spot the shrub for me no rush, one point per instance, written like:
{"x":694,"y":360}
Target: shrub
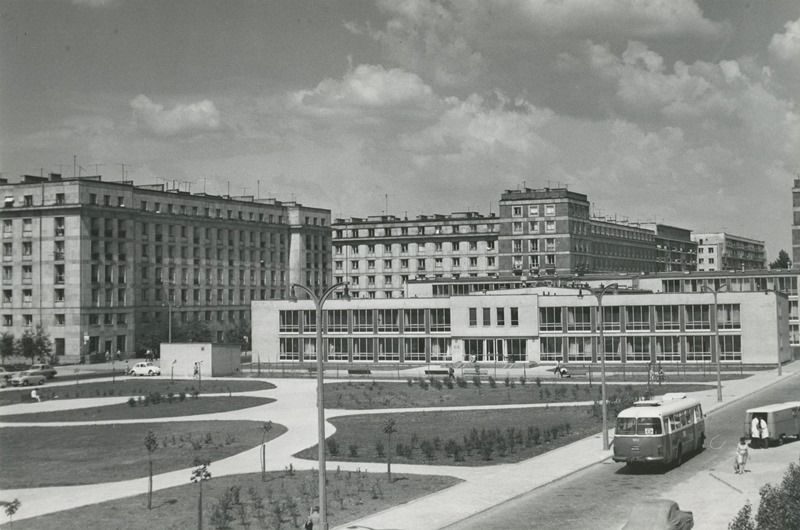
{"x":538,"y":381}
{"x":448,"y":383}
{"x":182,"y":396}
{"x":492,"y":382}
{"x":423,"y":384}
{"x":436,"y":383}
{"x":379,"y":449}
{"x":427,"y":449}
{"x":507,"y":381}
{"x":476,"y":380}
{"x":461,"y":382}
{"x":333,"y":446}
{"x":522,"y":380}
{"x":170,"y":397}
{"x":132,"y":402}
{"x":410,"y":382}
{"x":353,"y":449}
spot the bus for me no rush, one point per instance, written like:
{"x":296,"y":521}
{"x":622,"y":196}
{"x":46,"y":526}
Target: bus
{"x":659,"y":431}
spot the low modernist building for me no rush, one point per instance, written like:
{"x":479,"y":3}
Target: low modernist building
{"x":541,"y":324}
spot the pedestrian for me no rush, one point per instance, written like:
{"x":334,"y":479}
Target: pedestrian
{"x":35,"y":396}
{"x":755,"y":433}
{"x":741,"y":456}
{"x":312,"y":523}
{"x":764,"y":430}
{"x":557,"y":369}
{"x":108,"y":356}
{"x":451,"y":373}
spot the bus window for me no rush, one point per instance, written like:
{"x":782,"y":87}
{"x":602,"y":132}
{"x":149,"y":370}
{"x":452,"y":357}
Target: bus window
{"x":674,"y":422}
{"x":625,"y":426}
{"x":648,"y":426}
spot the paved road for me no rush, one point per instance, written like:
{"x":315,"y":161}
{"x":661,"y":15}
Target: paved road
{"x":600,"y":496}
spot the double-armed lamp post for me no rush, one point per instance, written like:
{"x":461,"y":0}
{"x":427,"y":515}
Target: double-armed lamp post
{"x":319,"y":302}
{"x":717,"y":346}
{"x":599,"y":293}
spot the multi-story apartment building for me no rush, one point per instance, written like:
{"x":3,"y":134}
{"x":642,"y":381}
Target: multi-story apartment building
{"x":551,"y":231}
{"x":796,"y":224}
{"x":718,"y":251}
{"x":377,"y":256}
{"x":95,"y":263}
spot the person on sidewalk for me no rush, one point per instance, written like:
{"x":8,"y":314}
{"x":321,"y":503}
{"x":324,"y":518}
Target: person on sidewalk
{"x":764,"y":430}
{"x":35,"y":396}
{"x":741,"y":456}
{"x":755,"y":433}
{"x":312,"y":523}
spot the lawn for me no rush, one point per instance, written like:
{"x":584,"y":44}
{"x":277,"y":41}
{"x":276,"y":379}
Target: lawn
{"x":284,"y":499}
{"x":164,"y":409}
{"x":363,"y":395}
{"x":62,"y":456}
{"x":471,"y":438}
{"x":133,"y":387}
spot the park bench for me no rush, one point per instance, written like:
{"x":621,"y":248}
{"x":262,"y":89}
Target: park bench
{"x":358,"y":371}
{"x":437,"y":371}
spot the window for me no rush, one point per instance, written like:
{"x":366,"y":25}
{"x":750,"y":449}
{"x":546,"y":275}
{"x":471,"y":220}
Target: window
{"x":414,"y":349}
{"x":363,"y":321}
{"x":388,"y":349}
{"x":289,"y":321}
{"x":612,"y":348}
{"x":533,"y":210}
{"x":611,"y":318}
{"x":59,"y":319}
{"x":730,"y":348}
{"x":27,"y":226}
{"x":637,"y":318}
{"x":668,"y":349}
{"x":638,"y":349}
{"x":698,"y":317}
{"x":579,"y":319}
{"x":7,"y":296}
{"x":337,"y":321}
{"x":516,"y":227}
{"x":289,"y":348}
{"x":698,"y":348}
{"x":514,"y":316}
{"x":440,"y":349}
{"x":667,"y":318}
{"x":58,"y":295}
{"x":388,"y":321}
{"x":550,"y":319}
{"x":440,"y":320}
{"x":27,"y":296}
{"x":473,"y":317}
{"x":500,"y":316}
{"x":487,"y":316}
{"x":533,"y":227}
{"x":516,"y":211}
{"x":728,"y":316}
{"x":549,"y":210}
{"x":550,"y":349}
{"x":363,"y":349}
{"x":550,"y":226}
{"x":337,"y":349}
{"x":414,"y":320}
{"x":579,"y":349}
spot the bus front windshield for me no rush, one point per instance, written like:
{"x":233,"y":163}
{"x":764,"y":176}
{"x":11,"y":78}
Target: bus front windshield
{"x":638,"y":426}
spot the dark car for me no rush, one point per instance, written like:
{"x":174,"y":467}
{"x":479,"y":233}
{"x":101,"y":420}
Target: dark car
{"x":43,"y":369}
{"x":659,"y":514}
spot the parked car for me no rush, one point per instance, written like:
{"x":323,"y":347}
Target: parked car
{"x":659,"y":514}
{"x":5,"y":375}
{"x":43,"y":369}
{"x":28,"y":378}
{"x":145,"y":368}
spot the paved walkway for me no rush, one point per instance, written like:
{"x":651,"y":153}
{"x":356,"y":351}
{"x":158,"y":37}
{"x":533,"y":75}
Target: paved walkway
{"x":295,"y":408}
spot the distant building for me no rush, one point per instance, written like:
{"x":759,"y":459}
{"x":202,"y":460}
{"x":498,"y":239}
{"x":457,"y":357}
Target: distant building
{"x":675,"y":250}
{"x":796,"y":224}
{"x":97,"y":263}
{"x":718,"y":251}
{"x":377,"y":256}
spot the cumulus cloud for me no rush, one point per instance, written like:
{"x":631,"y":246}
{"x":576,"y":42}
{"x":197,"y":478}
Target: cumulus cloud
{"x":786,"y":46}
{"x":366,"y":88}
{"x":183,"y":118}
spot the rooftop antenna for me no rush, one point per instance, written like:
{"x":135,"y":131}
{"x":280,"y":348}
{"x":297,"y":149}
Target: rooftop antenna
{"x":258,"y":189}
{"x":74,"y":166}
{"x":386,"y":198}
{"x":97,"y":168}
{"x":123,"y":170}
{"x":229,"y":189}
{"x":204,"y":185}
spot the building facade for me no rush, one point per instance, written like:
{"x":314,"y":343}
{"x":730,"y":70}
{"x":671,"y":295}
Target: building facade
{"x":541,"y":324}
{"x":96,"y":263}
{"x":377,"y":256}
{"x":719,"y":251}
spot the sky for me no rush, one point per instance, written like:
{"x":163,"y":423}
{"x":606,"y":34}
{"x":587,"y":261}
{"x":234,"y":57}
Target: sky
{"x":677,"y":111}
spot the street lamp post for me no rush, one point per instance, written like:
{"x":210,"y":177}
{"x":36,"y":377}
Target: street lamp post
{"x":598,"y":293}
{"x":172,"y":371}
{"x":717,"y":348}
{"x":319,"y":302}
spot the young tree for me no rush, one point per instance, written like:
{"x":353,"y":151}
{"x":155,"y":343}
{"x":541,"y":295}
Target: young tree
{"x":783,"y":261}
{"x":151,"y":444}
{"x":6,"y":346}
{"x":42,"y":344}
{"x":389,"y":428}
{"x":10,"y":509}
{"x":199,"y":475}
{"x":265,"y":428}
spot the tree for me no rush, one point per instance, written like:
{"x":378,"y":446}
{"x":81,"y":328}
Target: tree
{"x":191,"y":331}
{"x":6,"y":346}
{"x":265,"y":428}
{"x":389,"y":428}
{"x":11,"y":508}
{"x":783,"y":261}
{"x":239,"y":334}
{"x":779,"y":506}
{"x":199,"y":475}
{"x":151,"y":444}
{"x":34,"y":344}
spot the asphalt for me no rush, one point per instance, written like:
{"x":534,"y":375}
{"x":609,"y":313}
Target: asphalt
{"x":715,"y":496}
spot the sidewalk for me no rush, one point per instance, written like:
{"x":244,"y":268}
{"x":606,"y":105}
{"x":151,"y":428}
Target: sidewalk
{"x":508,"y":481}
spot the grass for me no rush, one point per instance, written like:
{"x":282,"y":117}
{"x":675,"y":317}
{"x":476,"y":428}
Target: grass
{"x":164,"y":409}
{"x":63,"y":456}
{"x":362,"y":395}
{"x":470,"y":430}
{"x":286,"y":500}
{"x":133,"y":387}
